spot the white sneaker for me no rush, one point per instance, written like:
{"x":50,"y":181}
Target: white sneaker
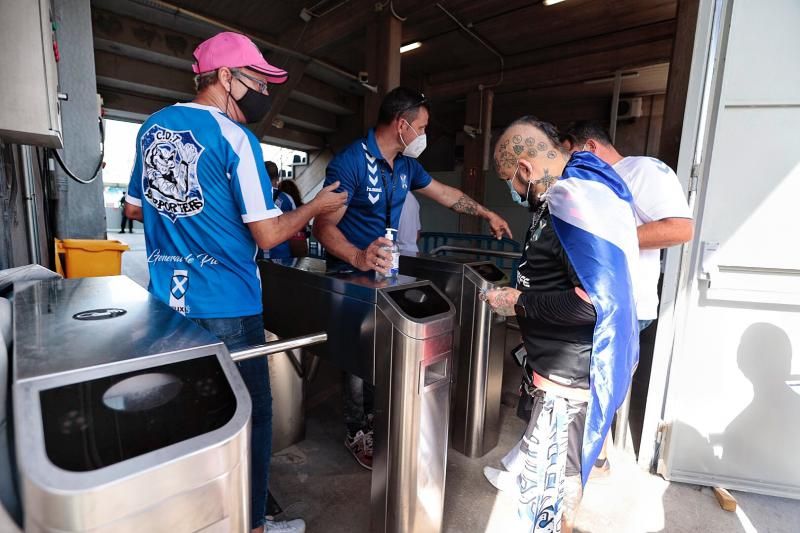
{"x":501,"y":480}
{"x":287,"y":526}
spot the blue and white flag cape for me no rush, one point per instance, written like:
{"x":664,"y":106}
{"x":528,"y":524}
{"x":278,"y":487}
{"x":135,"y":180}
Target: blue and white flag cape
{"x":590,"y":207}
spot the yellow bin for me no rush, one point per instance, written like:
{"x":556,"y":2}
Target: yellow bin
{"x":85,"y":258}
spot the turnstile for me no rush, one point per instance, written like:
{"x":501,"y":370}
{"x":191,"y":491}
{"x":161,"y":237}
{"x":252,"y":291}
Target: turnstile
{"x":396,"y":334}
{"x":479,"y":346}
{"x":128,"y":416}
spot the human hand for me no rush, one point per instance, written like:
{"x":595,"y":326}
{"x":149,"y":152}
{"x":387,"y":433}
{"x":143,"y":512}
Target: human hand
{"x":498,"y":226}
{"x":328,"y":200}
{"x":374,"y":257}
{"x":502,"y":300}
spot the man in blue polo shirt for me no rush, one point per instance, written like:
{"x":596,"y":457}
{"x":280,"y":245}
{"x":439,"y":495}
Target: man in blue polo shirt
{"x":201,"y":190}
{"x":377,"y":172}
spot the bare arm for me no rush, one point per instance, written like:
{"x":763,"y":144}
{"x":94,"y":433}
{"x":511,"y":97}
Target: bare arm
{"x":330,"y":236}
{"x":273,"y":231}
{"x":665,"y":233}
{"x":461,"y":203}
{"x":134,"y":212}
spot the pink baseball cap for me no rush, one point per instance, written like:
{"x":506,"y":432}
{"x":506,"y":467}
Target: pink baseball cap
{"x":229,"y":49}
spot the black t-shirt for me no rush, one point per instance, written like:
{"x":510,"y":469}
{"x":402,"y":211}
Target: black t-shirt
{"x":556,"y":351}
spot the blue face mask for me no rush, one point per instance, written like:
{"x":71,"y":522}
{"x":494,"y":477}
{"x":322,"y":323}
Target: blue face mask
{"x":515,"y":196}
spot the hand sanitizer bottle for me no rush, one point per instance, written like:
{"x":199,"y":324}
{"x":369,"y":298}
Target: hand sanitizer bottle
{"x":394,"y":270}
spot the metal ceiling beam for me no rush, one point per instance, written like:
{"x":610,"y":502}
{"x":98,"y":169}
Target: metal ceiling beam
{"x":134,"y":75}
{"x":142,"y":40}
{"x":562,"y":71}
{"x":170,"y":15}
{"x":346,"y":22}
{"x":607,"y":42}
{"x":281,"y":95}
{"x":121,"y":105}
{"x":296,"y":139}
{"x":313,"y":92}
{"x":308,"y":118}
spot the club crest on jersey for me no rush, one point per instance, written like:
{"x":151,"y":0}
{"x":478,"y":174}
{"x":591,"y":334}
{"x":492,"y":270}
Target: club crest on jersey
{"x":170,"y":182}
{"x":404,"y":181}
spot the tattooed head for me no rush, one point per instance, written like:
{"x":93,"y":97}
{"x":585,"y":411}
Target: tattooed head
{"x":526,"y":138}
{"x":529,"y":157}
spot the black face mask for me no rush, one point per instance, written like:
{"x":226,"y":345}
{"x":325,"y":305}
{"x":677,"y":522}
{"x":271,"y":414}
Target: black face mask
{"x":254,"y":105}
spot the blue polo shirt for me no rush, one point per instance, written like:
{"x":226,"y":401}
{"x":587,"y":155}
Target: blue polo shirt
{"x":285,"y":203}
{"x":370,"y":184}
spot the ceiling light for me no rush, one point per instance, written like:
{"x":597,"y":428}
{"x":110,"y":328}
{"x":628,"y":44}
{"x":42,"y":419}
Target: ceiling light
{"x":552,"y":2}
{"x":410,"y":46}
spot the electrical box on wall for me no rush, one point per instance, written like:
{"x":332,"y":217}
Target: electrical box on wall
{"x":29,"y":107}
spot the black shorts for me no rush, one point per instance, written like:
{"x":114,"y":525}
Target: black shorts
{"x":575,"y":429}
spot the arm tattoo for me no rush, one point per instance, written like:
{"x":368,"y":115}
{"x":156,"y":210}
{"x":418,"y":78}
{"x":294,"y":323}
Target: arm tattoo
{"x":505,"y":301}
{"x":466,"y":206}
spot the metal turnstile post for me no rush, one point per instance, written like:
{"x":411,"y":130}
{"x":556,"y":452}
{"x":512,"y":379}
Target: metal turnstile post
{"x":479,"y":347}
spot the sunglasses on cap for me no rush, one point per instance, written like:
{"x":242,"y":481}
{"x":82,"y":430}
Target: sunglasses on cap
{"x":422,"y":101}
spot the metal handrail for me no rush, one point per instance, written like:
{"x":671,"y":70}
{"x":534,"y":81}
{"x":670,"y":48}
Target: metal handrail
{"x":278,"y":346}
{"x":476,"y":251}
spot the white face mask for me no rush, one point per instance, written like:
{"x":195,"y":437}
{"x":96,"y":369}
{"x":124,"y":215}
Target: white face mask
{"x":417,"y":146}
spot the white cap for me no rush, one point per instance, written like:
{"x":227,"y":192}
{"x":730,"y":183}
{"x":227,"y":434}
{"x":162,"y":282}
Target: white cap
{"x":389,"y":234}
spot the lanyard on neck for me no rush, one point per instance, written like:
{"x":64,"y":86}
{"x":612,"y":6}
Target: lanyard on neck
{"x":388,"y":196}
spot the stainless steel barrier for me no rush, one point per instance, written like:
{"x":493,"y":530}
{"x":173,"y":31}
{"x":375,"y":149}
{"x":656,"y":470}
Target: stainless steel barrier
{"x":479,"y":346}
{"x":474,"y":251}
{"x":128,"y":416}
{"x":396,"y":334}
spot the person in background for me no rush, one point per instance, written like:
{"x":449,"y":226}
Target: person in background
{"x":125,"y":219}
{"x":290,"y":188}
{"x":662,"y":213}
{"x":408,"y":230}
{"x":299,"y":241}
{"x":378,"y":171}
{"x":285,"y":203}
{"x":200,"y":187}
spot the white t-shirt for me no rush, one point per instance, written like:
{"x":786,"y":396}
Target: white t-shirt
{"x":409,"y":226}
{"x":657,"y":194}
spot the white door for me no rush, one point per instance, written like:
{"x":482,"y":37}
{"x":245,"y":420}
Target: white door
{"x":726,"y":383}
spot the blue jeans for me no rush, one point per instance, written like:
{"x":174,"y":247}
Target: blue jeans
{"x":238,"y":333}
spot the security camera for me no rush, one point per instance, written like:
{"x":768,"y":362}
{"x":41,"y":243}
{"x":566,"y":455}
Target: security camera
{"x":471,"y":131}
{"x":363,"y":77}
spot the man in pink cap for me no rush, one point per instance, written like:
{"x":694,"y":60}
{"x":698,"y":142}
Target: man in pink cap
{"x":200,"y":186}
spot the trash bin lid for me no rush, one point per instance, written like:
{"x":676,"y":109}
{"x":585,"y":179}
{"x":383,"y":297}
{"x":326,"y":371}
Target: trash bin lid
{"x":95,"y":245}
{"x":93,"y":424}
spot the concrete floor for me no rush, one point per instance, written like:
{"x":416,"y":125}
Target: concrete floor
{"x":318,"y":480}
{"x":134,"y":261}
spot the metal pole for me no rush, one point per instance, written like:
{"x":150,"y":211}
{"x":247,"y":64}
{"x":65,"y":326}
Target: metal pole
{"x":477,"y":251}
{"x":621,"y":430}
{"x":278,"y":346}
{"x":29,"y":189}
{"x":612,"y":129}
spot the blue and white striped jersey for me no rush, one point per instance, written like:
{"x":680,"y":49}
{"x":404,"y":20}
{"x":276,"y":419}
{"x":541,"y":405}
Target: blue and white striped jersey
{"x":200,"y":178}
